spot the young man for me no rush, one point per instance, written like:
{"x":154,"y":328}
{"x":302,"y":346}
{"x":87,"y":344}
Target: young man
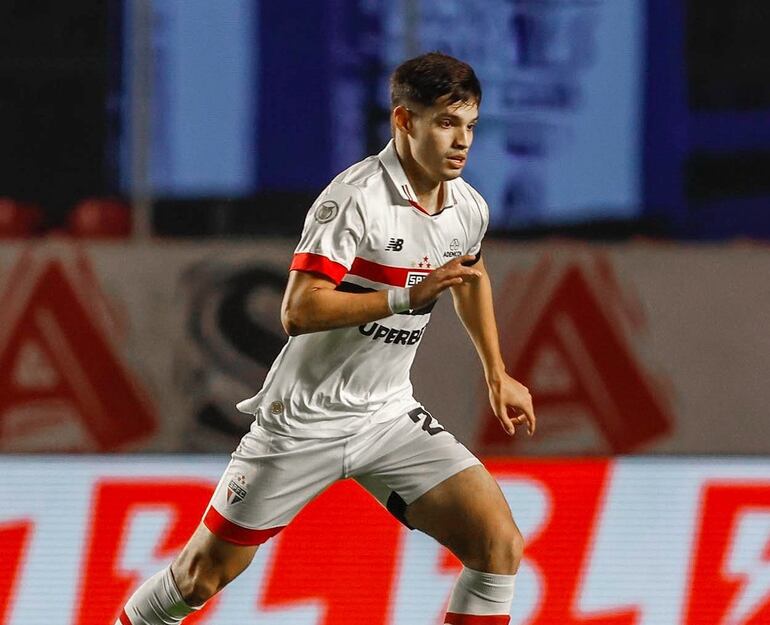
{"x":337,"y":402}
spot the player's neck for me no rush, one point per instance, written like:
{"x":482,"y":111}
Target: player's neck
{"x":431,"y":199}
{"x":429,"y":192}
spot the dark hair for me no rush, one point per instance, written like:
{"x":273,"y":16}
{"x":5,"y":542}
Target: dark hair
{"x":426,"y":78}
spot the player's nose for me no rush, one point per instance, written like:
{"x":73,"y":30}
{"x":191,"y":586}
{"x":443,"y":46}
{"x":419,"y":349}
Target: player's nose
{"x":463,"y":139}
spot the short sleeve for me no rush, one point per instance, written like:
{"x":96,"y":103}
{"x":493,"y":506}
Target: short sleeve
{"x":481,"y":224}
{"x":333,"y":228}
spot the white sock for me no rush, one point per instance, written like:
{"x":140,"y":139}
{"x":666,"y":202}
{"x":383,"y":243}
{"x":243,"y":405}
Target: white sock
{"x":156,"y":602}
{"x":481,"y":594}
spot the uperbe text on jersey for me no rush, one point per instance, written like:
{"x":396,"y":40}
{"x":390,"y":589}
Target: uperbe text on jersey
{"x":391,"y":335}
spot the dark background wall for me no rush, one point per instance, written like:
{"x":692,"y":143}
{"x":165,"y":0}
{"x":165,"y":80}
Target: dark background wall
{"x":57,"y":69}
{"x":63,"y":88}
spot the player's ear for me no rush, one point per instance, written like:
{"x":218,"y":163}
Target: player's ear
{"x":401,"y":118}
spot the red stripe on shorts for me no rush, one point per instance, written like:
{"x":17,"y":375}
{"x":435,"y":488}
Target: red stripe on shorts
{"x":394,"y":276}
{"x":236,"y":534}
{"x":452,"y":618}
{"x":316,"y":263}
{"x":124,"y":618}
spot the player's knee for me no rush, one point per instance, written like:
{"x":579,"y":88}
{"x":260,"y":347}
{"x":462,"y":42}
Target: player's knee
{"x":198,"y":590}
{"x":499,"y":551}
{"x":198,"y":579}
{"x":516,"y":547}
{"x":507,"y":550}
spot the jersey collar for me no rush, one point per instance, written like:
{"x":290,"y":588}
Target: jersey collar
{"x":392,"y":165}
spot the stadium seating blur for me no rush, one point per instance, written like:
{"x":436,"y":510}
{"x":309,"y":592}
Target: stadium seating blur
{"x":100,"y":218}
{"x":19,"y":219}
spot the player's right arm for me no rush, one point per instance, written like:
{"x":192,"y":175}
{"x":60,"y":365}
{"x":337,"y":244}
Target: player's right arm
{"x":333,"y":232}
{"x":311,"y":303}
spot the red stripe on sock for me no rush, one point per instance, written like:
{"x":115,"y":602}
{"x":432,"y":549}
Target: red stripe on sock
{"x":123,"y":618}
{"x":452,"y":618}
{"x":236,"y":534}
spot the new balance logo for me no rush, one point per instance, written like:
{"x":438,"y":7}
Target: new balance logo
{"x":394,"y":245}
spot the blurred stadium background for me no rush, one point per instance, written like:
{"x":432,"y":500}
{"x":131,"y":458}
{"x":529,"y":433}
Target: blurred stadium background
{"x":156,"y":160}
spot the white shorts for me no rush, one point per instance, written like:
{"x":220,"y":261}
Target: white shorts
{"x":272,"y":476}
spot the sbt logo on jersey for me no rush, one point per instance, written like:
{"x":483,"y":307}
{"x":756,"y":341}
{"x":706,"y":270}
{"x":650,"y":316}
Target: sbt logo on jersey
{"x":415,"y":277}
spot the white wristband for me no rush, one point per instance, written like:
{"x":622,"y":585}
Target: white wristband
{"x":398,"y":300}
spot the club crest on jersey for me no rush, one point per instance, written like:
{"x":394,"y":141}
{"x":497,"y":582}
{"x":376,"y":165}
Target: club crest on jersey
{"x":326,"y":211}
{"x":236,"y":489}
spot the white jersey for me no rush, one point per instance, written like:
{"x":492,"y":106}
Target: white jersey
{"x":365,"y":232}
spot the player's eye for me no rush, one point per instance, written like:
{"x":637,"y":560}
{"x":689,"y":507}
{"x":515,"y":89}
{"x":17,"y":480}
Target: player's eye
{"x":445,"y":123}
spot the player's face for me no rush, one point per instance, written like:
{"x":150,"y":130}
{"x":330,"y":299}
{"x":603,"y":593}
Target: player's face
{"x":441,"y":136}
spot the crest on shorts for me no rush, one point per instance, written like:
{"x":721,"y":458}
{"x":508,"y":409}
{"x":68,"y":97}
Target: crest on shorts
{"x":236,"y":489}
{"x":326,"y":211}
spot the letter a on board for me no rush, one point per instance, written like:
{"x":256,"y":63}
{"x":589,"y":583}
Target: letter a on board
{"x":568,"y":341}
{"x":62,"y":383}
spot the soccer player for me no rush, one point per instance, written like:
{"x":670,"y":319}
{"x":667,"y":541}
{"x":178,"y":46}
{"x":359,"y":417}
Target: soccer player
{"x":379,"y":246}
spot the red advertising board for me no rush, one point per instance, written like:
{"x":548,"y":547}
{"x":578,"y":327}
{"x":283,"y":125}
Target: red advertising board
{"x":627,"y":542}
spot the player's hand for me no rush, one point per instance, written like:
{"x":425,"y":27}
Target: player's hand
{"x":449,"y":274}
{"x":512,"y":404}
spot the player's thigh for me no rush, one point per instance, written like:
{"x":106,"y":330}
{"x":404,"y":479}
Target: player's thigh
{"x":408,"y":456}
{"x":399,"y":461}
{"x":463,"y":511}
{"x":269,"y":479}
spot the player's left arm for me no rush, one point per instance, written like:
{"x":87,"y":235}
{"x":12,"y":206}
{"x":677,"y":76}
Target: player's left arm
{"x":510,"y":400}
